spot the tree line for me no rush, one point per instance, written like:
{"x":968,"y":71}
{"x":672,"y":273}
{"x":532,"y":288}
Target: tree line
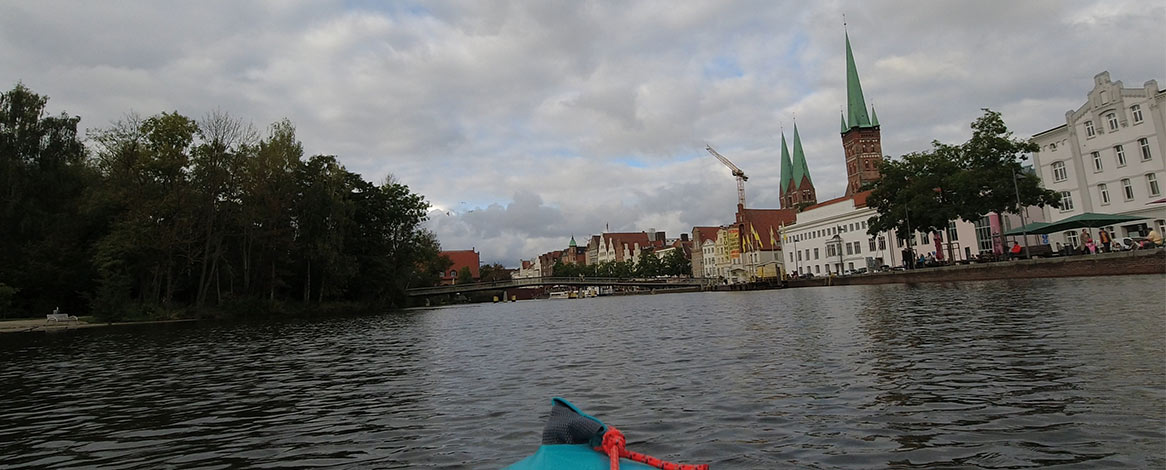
{"x":167,"y":215}
{"x":646,"y":265}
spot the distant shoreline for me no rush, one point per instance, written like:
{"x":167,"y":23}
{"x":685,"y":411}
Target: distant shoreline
{"x":29,"y":325}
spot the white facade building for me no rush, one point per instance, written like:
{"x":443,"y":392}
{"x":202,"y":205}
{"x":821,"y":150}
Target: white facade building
{"x":1109,"y":157}
{"x":831,"y":238}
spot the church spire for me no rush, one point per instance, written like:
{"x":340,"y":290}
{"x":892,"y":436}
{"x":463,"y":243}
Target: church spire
{"x":856,"y":105}
{"x":844,"y":126}
{"x":874,"y":117}
{"x":787,"y":176}
{"x":801,"y":171}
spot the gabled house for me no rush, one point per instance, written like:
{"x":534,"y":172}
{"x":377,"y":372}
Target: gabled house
{"x":461,"y":259}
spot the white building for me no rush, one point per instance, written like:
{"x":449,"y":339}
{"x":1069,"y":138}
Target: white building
{"x":1109,"y":157}
{"x":831,"y":238}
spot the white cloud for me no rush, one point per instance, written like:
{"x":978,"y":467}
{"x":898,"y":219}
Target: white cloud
{"x":555,"y":118}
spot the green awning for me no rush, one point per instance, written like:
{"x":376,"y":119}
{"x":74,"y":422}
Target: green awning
{"x":1089,"y":220}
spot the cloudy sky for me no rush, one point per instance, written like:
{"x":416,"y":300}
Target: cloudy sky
{"x":524,"y":123}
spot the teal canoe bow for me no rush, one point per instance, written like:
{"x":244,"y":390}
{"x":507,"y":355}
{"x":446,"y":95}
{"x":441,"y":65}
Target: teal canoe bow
{"x":570,"y":441}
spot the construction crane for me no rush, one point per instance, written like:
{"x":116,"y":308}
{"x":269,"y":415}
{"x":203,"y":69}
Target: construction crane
{"x":741,"y":178}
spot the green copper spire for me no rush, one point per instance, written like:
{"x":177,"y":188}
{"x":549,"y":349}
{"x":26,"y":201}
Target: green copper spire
{"x":844,"y":126}
{"x":572,"y":244}
{"x":874,"y":118}
{"x":856,"y":105}
{"x":787,"y":168}
{"x":799,"y":163}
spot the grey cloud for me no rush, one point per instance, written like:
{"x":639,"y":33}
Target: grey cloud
{"x":533,"y":109}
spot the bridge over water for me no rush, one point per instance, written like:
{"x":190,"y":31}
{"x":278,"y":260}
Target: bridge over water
{"x":665,"y":283}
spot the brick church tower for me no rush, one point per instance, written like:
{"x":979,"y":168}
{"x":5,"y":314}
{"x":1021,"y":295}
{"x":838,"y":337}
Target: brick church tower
{"x":861,"y":139}
{"x":796,"y":186}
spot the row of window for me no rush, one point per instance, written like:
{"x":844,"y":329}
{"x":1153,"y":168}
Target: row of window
{"x":1127,"y":189}
{"x":817,"y":268}
{"x":1060,"y":173}
{"x":830,"y":231}
{"x":1111,"y":120}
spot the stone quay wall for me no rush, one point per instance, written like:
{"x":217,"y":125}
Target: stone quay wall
{"x":1126,"y":262}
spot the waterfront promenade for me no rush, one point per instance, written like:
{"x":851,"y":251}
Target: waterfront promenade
{"x":1103,"y":264}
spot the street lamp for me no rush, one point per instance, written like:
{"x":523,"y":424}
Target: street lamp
{"x":837,"y":241}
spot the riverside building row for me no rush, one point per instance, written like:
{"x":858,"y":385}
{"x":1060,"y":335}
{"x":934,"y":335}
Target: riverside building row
{"x":1108,"y":158}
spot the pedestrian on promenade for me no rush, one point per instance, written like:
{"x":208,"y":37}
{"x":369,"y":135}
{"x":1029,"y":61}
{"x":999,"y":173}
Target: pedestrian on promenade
{"x":1087,"y":241}
{"x":1154,"y":237}
{"x":1105,"y":239}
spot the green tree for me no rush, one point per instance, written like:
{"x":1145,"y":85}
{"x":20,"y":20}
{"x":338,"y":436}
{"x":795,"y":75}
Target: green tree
{"x":269,"y":193}
{"x":217,"y":178}
{"x":323,"y":216}
{"x":429,"y":263}
{"x":44,"y":233}
{"x":147,"y":194}
{"x":648,"y":264}
{"x":6,"y":294}
{"x":676,"y":264}
{"x":927,"y":190}
{"x":912,"y":196}
{"x":493,"y":272}
{"x":992,"y":177}
{"x":464,"y":276}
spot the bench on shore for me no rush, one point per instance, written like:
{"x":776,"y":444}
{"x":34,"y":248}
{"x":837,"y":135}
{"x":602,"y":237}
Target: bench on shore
{"x":61,"y":317}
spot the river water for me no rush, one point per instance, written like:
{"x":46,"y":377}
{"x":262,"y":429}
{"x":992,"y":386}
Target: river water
{"x":1067,"y":373}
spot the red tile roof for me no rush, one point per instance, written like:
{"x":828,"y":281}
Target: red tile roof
{"x":859,"y":200}
{"x":761,"y":221}
{"x":700,"y":234}
{"x":462,"y":258}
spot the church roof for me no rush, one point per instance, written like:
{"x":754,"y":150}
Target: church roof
{"x":800,"y":169}
{"x":787,"y":175}
{"x":855,"y":103}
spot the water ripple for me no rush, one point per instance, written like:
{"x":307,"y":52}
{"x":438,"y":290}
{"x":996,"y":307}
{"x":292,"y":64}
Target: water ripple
{"x":1006,"y":374}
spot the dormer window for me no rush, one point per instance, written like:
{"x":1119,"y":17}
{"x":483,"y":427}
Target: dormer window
{"x":1137,"y":112}
{"x":1089,"y":130}
{"x":1112,"y":118}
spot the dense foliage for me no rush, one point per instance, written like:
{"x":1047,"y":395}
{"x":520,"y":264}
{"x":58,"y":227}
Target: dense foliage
{"x":166,"y":214}
{"x":647,"y":265}
{"x":924,"y":191}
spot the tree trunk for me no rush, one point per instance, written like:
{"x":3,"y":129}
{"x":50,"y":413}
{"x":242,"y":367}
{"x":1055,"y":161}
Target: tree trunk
{"x":203,"y":279}
{"x":271,"y":296}
{"x":246,"y":264}
{"x":308,"y":283}
{"x":320,"y":295}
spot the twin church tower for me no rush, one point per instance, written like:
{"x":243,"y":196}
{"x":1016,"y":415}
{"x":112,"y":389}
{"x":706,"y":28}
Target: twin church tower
{"x":861,"y":142}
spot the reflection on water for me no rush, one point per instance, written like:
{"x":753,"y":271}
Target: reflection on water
{"x":1006,"y":374}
